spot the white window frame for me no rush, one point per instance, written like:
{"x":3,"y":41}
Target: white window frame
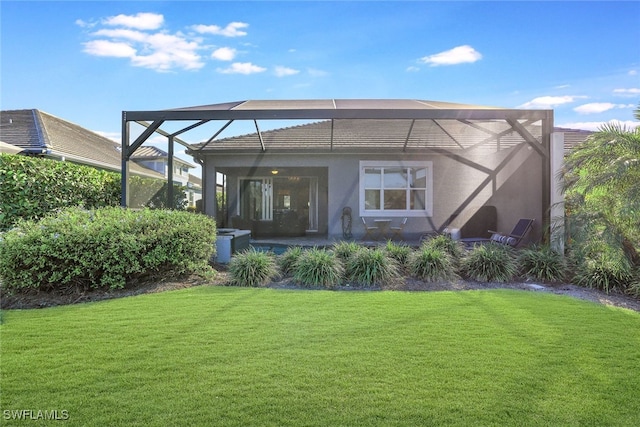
{"x":428,"y":211}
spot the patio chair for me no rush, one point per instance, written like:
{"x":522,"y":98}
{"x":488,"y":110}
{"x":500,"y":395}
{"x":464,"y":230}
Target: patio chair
{"x":523,"y":226}
{"x":368,"y":230}
{"x":396,"y":231}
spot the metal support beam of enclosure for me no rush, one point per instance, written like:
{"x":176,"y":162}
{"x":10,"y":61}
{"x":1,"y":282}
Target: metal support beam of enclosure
{"x":335,"y":110}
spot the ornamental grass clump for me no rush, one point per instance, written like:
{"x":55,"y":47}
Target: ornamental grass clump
{"x":345,"y":250}
{"x":490,"y":262}
{"x":453,"y":247}
{"x":608,"y":270}
{"x":318,"y":267}
{"x":431,"y":265}
{"x":541,"y":263}
{"x":370,"y":267}
{"x":252,"y":268}
{"x":399,"y":252}
{"x":288,"y":259}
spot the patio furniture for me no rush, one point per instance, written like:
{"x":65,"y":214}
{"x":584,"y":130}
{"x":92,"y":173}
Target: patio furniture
{"x":522,"y":227}
{"x":396,"y":231}
{"x":383,"y":226}
{"x":368,"y":230}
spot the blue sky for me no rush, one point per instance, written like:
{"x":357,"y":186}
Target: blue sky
{"x":86,"y":62}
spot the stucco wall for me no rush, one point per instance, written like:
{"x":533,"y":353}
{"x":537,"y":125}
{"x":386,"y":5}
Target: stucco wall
{"x":516,"y":190}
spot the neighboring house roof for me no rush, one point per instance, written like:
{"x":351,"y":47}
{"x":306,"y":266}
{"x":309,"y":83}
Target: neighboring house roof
{"x":8,"y":148}
{"x":195,"y":182}
{"x":151,"y":153}
{"x":573,"y":137}
{"x":40,"y":133}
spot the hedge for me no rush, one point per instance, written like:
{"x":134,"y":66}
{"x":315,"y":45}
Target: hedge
{"x":31,"y":187}
{"x":104,"y":248}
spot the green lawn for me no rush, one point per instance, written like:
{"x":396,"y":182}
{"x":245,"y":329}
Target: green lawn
{"x":264,"y":357}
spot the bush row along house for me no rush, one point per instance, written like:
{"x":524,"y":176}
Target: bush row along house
{"x":37,"y":133}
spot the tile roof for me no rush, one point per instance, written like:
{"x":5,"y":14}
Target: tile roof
{"x":392,"y":135}
{"x":151,"y":152}
{"x":37,"y":132}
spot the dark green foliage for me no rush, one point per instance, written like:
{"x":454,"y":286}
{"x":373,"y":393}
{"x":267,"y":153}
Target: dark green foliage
{"x":288,"y":259}
{"x":372,"y":267}
{"x":490,"y":262}
{"x":602,"y":191}
{"x":399,"y":252}
{"x":345,"y":249}
{"x":606,"y":270}
{"x":252,"y":268}
{"x":541,"y":263}
{"x":152,"y":193}
{"x":104,"y":248}
{"x":32,"y":187}
{"x":454,"y":248}
{"x":318,"y":267}
{"x":431,"y":264}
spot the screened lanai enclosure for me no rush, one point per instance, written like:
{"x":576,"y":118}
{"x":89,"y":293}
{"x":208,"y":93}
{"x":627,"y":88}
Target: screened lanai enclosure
{"x":293,"y":168}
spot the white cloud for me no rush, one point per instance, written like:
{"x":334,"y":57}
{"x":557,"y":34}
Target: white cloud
{"x":546,"y":102}
{"x":599,"y":107}
{"x":122,"y":33}
{"x":457,"y":55}
{"x":224,"y":54}
{"x":594,"y":126}
{"x":158,"y":51}
{"x":140,"y":21}
{"x":634,"y":91}
{"x":242,"y":68}
{"x":314,"y":72}
{"x":281,"y":71}
{"x":114,"y":136}
{"x":633,"y":72}
{"x":233,"y":29}
{"x":109,"y":48}
{"x":413,"y":69}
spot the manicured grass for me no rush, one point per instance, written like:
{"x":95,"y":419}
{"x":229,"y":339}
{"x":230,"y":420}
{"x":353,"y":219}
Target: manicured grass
{"x":247,"y":356}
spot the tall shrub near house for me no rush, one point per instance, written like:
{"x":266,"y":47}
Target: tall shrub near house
{"x":31,"y":187}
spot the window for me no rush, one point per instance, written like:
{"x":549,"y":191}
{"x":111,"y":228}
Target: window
{"x":395,"y":188}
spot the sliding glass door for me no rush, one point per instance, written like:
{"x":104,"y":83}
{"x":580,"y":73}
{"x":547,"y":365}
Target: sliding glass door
{"x":290,"y":202}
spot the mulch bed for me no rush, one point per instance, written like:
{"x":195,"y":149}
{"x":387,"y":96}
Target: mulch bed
{"x":74,"y":296}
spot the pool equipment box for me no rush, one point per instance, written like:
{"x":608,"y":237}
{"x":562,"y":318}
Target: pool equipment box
{"x":230,"y":241}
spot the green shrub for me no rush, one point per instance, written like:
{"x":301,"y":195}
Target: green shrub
{"x":543,"y":264}
{"x":252,"y":268}
{"x":345,"y":249}
{"x":607,"y":271}
{"x":288,"y":259}
{"x":318,"y":267}
{"x":453,"y":247}
{"x":104,"y":248}
{"x":431,"y":264}
{"x":372,"y":267}
{"x":32,"y":187}
{"x":490,"y":262}
{"x":399,"y":252}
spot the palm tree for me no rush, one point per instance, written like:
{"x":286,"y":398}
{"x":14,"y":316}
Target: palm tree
{"x":602,"y":188}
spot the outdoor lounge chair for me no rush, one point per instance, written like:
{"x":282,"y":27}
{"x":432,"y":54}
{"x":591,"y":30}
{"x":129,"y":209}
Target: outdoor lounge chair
{"x":523,"y":226}
{"x":368,"y":229}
